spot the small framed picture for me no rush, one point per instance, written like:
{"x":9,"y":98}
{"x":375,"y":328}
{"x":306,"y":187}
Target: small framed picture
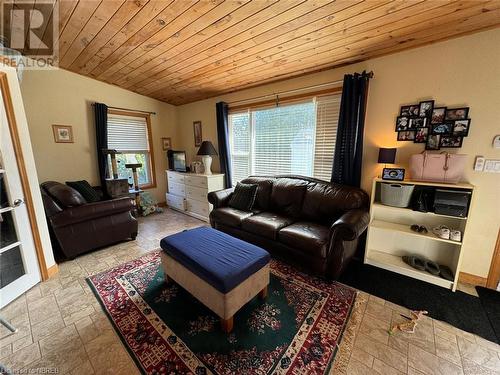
{"x":425,"y":108}
{"x":418,"y":122}
{"x":438,"y":115}
{"x":395,"y":174}
{"x":63,"y":133}
{"x":414,"y":110}
{"x":197,"y":133}
{"x":451,"y":141}
{"x":421,"y":135}
{"x":405,"y":111}
{"x":402,"y":123}
{"x":442,"y":129}
{"x":461,"y":127}
{"x":457,"y":113}
{"x":433,"y":142}
{"x":166,"y":143}
{"x":407,"y":135}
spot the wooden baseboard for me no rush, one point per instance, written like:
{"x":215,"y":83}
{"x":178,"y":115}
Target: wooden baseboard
{"x":52,"y":271}
{"x":162,"y":204}
{"x":467,"y":278}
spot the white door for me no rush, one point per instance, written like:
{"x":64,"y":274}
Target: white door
{"x":18,"y":263}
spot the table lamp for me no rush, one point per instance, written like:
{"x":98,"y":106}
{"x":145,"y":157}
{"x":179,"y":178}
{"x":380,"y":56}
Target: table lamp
{"x":206,"y":151}
{"x":386,"y":156}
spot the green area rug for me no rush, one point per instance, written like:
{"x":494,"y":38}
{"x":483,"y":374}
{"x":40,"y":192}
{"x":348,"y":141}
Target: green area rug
{"x":296,"y":329}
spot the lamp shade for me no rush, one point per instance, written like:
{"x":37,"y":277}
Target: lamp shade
{"x":387,"y":155}
{"x":207,"y":148}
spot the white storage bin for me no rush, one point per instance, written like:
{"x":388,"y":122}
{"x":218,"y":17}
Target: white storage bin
{"x":396,"y":195}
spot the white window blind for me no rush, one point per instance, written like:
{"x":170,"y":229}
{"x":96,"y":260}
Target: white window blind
{"x":296,"y":138}
{"x":327,"y":117}
{"x":127,"y":133}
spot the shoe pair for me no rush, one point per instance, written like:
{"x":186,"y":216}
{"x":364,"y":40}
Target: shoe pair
{"x":446,"y":233}
{"x":418,"y":228}
{"x":433,"y":268}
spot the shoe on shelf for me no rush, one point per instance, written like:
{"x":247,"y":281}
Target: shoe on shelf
{"x":456,"y":235}
{"x":418,"y":228}
{"x":442,"y":231}
{"x":415,"y":262}
{"x":446,"y":273}
{"x":432,"y":267}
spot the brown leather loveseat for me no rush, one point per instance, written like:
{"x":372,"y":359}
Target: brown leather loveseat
{"x":77,"y":227}
{"x":302,"y":220}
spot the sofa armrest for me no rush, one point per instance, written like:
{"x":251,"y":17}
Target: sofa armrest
{"x":220,"y":198}
{"x":91,"y":211}
{"x":350,"y":225}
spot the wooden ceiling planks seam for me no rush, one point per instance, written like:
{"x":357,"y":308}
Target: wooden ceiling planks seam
{"x":185,"y":50}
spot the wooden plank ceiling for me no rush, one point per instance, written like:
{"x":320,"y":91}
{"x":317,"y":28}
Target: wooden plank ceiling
{"x":180,"y":51}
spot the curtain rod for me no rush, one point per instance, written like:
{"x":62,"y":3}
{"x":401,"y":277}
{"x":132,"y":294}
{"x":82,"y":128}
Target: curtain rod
{"x":370,"y":75}
{"x":128,"y":109}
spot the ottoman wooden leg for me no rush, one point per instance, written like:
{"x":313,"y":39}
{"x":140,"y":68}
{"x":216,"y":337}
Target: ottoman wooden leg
{"x":263,"y":293}
{"x":227,"y":324}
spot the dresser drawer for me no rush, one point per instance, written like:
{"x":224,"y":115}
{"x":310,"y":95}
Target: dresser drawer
{"x":196,"y":181}
{"x":175,"y":201}
{"x":177,"y":189}
{"x":196,"y":193}
{"x":175,"y":177}
{"x":197,"y":207}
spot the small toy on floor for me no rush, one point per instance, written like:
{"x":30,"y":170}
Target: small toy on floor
{"x":410,"y":325}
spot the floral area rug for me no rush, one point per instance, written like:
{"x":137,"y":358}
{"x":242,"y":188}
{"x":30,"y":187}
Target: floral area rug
{"x":295,"y":330}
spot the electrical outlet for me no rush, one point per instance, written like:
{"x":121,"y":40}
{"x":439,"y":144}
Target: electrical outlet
{"x":479,"y":164}
{"x":492,"y":166}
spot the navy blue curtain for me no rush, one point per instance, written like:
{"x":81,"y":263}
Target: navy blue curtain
{"x":101,"y":135}
{"x":348,"y":156}
{"x":221,"y":109}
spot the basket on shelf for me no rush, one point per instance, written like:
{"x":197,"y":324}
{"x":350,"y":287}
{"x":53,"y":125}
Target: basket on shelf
{"x":396,"y":195}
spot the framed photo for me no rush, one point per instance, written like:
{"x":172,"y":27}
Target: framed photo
{"x":418,"y":122}
{"x":63,"y":133}
{"x":451,"y":141}
{"x":402,"y":123}
{"x":407,"y":135}
{"x":414,"y":110}
{"x":457,"y":114}
{"x":166,"y":143}
{"x":421,"y":135}
{"x":442,"y":129}
{"x":433,"y":142}
{"x":425,"y":108}
{"x":197,"y":133}
{"x":438,"y":115}
{"x":461,"y":127}
{"x":405,"y":111}
{"x":395,"y":174}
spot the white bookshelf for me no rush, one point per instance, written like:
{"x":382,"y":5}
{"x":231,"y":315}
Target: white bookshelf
{"x":390,"y":237}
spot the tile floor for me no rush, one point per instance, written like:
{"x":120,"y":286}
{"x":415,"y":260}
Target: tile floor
{"x":62,"y":326}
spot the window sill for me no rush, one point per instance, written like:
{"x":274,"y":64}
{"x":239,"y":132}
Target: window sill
{"x":147,"y":186}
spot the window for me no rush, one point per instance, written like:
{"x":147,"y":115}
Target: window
{"x":129,"y":133}
{"x":297,"y":138}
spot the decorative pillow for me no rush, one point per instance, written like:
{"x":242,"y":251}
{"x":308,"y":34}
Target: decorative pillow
{"x":84,"y":188}
{"x":243,"y":197}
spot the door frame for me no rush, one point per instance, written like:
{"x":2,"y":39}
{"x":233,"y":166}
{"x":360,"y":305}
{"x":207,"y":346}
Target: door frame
{"x":16,"y":143}
{"x":494,"y":274}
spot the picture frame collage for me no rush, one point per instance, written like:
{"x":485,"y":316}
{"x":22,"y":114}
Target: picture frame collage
{"x":436,"y":127}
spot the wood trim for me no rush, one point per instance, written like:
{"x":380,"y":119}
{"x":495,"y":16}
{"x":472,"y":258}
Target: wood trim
{"x":147,"y":116}
{"x":16,"y":142}
{"x":286,"y":99}
{"x":468,"y":278}
{"x":53,"y":270}
{"x":494,"y":274}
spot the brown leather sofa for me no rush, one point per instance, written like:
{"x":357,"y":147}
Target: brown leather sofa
{"x":77,"y":227}
{"x":302,"y":220}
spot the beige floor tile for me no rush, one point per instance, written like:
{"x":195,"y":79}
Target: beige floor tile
{"x":22,"y":357}
{"x":47,"y":327}
{"x":63,"y":361}
{"x":85,"y":368}
{"x":379,"y":311}
{"x":479,"y":354}
{"x":63,"y":339}
{"x":22,"y":343}
{"x":448,"y":350}
{"x":384,"y":369}
{"x":383,"y":352}
{"x":15,"y":308}
{"x":375,"y":328}
{"x":5,"y":350}
{"x":429,"y":363}
{"x":22,"y":323}
{"x":362,"y":356}
{"x":356,"y":367}
{"x":472,"y":368}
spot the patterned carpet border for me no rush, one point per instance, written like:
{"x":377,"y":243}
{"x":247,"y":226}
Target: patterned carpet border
{"x":340,"y":355}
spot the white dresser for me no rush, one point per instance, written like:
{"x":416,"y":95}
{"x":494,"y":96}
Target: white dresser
{"x":187,"y":192}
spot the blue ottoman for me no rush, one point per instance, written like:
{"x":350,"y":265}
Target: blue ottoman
{"x":221,"y":271}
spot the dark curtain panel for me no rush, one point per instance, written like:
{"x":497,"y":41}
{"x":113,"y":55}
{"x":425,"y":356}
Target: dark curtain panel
{"x":101,"y":135}
{"x":223,"y":140}
{"x":348,"y":156}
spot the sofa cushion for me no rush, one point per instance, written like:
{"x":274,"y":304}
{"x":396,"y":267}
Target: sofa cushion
{"x":243,"y":197}
{"x":287,"y":195}
{"x":266,"y":224}
{"x":307,"y":236}
{"x":229,"y":216}
{"x":265,"y":185}
{"x":83,"y":187}
{"x":63,"y":194}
